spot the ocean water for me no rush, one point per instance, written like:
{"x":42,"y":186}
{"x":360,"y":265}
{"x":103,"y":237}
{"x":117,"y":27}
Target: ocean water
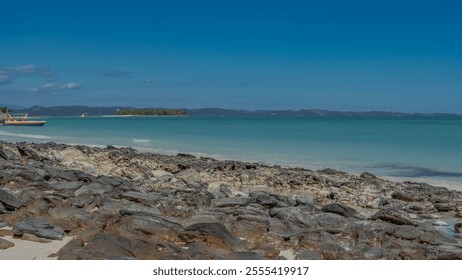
{"x":427,"y":149}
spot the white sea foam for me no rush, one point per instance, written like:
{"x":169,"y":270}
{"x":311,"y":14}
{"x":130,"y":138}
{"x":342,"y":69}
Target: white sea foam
{"x":141,"y":140}
{"x":33,"y":136}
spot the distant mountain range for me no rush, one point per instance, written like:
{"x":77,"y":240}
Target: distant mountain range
{"x":100,"y":111}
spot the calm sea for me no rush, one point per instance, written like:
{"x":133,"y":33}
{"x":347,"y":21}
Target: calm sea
{"x":425,"y":149}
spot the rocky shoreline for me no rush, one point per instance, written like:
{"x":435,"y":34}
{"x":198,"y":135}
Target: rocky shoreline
{"x":118,"y":203}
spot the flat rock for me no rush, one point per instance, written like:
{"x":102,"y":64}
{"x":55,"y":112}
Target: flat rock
{"x":8,"y":155}
{"x":442,"y":207}
{"x":216,"y":230}
{"x":232,"y":201}
{"x":393,"y":216}
{"x":39,"y":227}
{"x":33,"y":238}
{"x":342,"y":210}
{"x":9,"y":199}
{"x":330,"y":220}
{"x":94,"y":189}
{"x":5,"y":244}
{"x":65,"y":186}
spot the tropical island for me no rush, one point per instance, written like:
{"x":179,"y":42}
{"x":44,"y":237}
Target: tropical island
{"x":151,"y":112}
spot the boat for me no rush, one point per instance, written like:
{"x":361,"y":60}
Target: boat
{"x":19,"y":120}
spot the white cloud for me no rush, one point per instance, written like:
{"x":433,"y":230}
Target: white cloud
{"x":8,"y":75}
{"x":50,"y":87}
{"x":71,"y":85}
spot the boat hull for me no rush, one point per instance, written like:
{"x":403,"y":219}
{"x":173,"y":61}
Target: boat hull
{"x":25,"y":123}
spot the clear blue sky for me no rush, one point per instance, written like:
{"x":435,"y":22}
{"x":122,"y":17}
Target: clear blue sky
{"x":339,"y":55}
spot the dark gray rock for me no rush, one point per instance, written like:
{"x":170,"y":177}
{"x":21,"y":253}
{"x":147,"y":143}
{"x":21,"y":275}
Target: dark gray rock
{"x":94,"y":189}
{"x":444,"y":252}
{"x":442,"y":207}
{"x":109,"y":246}
{"x":2,"y":209}
{"x":298,"y":215}
{"x":2,"y":224}
{"x":218,"y":231}
{"x":39,"y":227}
{"x":9,"y":199}
{"x":232,"y":201}
{"x":393,"y":216}
{"x":368,"y":176}
{"x":330,"y":220}
{"x":407,"y":232}
{"x":8,"y":155}
{"x":28,"y":151}
{"x":113,"y":181}
{"x":403,"y":196}
{"x":270,"y":200}
{"x":65,"y":186}
{"x":458,"y":228}
{"x":143,"y":198}
{"x":342,"y":210}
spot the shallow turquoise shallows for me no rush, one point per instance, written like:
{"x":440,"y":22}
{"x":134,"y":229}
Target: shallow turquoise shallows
{"x":413,"y":147}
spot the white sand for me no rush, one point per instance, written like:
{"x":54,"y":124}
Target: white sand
{"x":29,"y":250}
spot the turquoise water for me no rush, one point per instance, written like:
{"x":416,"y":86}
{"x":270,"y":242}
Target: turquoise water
{"x":413,"y":147}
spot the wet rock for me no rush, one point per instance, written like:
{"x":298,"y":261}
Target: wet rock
{"x":5,"y":244}
{"x":393,"y":216}
{"x":342,"y":210}
{"x":39,"y":227}
{"x":9,"y":199}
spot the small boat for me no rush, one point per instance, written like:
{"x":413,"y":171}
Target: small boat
{"x":20,"y":120}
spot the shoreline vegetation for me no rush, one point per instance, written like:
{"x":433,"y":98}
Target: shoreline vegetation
{"x":119,"y":203}
{"x":78,"y":110}
{"x":151,"y":112}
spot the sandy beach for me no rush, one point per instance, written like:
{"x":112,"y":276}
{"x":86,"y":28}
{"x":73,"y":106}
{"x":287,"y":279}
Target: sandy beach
{"x":80,"y":202}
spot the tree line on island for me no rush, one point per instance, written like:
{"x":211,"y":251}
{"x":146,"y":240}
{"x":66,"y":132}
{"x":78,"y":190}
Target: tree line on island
{"x":151,"y":112}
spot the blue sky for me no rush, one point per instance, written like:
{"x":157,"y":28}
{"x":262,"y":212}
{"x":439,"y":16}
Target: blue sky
{"x":338,"y":55}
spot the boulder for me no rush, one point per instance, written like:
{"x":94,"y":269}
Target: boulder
{"x":3,"y":209}
{"x":342,"y":210}
{"x":8,"y":155}
{"x":5,"y":244}
{"x":393,"y":216}
{"x":215,"y":233}
{"x":39,"y":227}
{"x":65,"y":186}
{"x":94,"y":189}
{"x":28,"y":151}
{"x":232,"y":201}
{"x":458,"y":228}
{"x":9,"y":199}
